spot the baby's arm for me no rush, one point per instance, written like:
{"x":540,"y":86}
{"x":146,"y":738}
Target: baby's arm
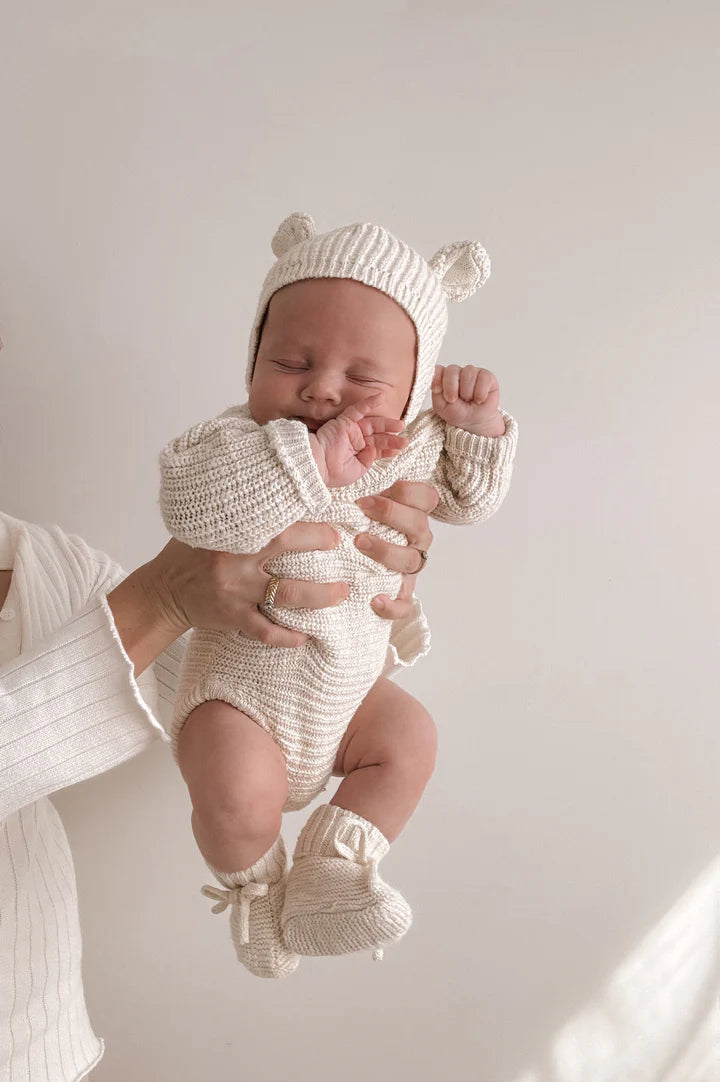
{"x":232,"y":485}
{"x":475,"y":466}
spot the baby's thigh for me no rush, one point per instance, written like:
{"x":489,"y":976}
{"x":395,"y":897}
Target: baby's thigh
{"x":389,"y":725}
{"x":227,"y":759}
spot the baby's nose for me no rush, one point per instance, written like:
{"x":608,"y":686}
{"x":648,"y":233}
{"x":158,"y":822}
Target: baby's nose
{"x":323,"y":387}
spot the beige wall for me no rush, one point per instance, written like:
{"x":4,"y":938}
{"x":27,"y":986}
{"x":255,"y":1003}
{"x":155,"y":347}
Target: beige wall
{"x":562,"y":866}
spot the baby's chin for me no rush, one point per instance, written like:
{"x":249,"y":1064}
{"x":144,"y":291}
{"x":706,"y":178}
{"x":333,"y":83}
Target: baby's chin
{"x":263,"y":419}
{"x":311,"y":423}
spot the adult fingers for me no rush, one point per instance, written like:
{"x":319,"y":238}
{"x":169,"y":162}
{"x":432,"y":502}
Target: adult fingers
{"x":402,"y":558}
{"x":396,"y":608}
{"x":300,"y":594}
{"x":406,"y":520}
{"x":417,"y":494}
{"x":259,"y":627}
{"x":301,"y":537}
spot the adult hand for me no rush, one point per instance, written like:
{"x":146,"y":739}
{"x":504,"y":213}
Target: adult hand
{"x":218,"y":590}
{"x":405,"y":506}
{"x":185,"y":587}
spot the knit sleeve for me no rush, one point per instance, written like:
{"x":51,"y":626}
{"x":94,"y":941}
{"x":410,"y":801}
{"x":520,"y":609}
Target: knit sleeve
{"x":232,"y":485}
{"x":473,"y":473}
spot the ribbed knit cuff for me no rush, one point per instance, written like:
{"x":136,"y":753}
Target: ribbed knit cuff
{"x":291,"y":442}
{"x":329,"y":824}
{"x":166,"y":670}
{"x":268,"y":869}
{"x":73,"y":707}
{"x":144,"y":688}
{"x":497,"y":450}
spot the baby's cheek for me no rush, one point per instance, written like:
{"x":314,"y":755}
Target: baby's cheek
{"x":359,"y":392}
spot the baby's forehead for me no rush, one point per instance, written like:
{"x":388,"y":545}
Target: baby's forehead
{"x":337,"y":302}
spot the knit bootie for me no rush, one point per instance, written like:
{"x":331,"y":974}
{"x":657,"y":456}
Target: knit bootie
{"x":256,"y":897}
{"x":335,"y":901}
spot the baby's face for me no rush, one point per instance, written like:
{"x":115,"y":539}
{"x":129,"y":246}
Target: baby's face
{"x":326,"y":344}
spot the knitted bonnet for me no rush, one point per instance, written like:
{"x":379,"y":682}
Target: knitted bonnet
{"x":370,"y":254}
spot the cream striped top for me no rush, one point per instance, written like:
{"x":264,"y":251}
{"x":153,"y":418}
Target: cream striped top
{"x":69,"y":708}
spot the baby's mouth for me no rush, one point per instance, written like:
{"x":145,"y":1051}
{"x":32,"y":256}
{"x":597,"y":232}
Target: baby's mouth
{"x":310,"y":423}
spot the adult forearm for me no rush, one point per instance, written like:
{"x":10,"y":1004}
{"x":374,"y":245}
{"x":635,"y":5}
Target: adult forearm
{"x":145,"y":625}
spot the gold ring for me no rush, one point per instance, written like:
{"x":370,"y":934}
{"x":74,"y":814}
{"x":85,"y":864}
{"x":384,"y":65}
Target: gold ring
{"x":423,"y":559}
{"x":272,"y":587}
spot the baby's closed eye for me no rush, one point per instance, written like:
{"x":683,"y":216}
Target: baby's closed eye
{"x":291,"y":366}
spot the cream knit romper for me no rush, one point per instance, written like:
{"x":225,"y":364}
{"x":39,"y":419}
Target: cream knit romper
{"x":232,"y":485}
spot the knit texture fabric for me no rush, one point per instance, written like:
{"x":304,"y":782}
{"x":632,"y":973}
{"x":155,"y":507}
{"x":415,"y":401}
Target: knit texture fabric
{"x":233,"y":485}
{"x":256,"y":898}
{"x":370,"y":254}
{"x":335,"y":901}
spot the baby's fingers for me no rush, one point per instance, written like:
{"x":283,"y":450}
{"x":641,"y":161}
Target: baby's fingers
{"x":436,"y":386}
{"x":370,"y":425}
{"x":468,"y":378}
{"x":451,"y":383}
{"x":367,"y":456}
{"x":485,"y":385}
{"x":386,"y":441}
{"x":362,"y":408}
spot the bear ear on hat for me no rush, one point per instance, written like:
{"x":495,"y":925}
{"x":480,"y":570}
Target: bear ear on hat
{"x":295,"y":228}
{"x":462,"y":268}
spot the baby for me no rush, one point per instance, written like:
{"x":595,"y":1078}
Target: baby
{"x":342,"y":355}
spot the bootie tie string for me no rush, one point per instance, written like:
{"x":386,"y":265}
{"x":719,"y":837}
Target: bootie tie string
{"x":360,"y":856}
{"x":243,"y":897}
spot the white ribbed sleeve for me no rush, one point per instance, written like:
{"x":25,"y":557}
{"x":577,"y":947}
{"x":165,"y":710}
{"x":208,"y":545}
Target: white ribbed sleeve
{"x":70,"y":708}
{"x":232,"y":485}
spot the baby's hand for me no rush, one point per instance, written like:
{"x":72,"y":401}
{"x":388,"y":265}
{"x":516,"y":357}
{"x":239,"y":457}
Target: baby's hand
{"x":345,"y":447}
{"x":468,"y":398}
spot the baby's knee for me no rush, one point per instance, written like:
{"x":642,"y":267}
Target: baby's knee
{"x":412,"y":739}
{"x":424,"y":740}
{"x":235,"y":773}
{"x":251,"y":810}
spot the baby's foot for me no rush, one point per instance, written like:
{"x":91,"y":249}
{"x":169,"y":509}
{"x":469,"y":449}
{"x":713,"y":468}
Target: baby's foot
{"x":335,"y":901}
{"x":257,"y":896}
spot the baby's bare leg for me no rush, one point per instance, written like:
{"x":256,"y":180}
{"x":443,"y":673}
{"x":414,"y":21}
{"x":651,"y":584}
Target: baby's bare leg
{"x":238,"y":785}
{"x":335,"y":901}
{"x":387,"y":756}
